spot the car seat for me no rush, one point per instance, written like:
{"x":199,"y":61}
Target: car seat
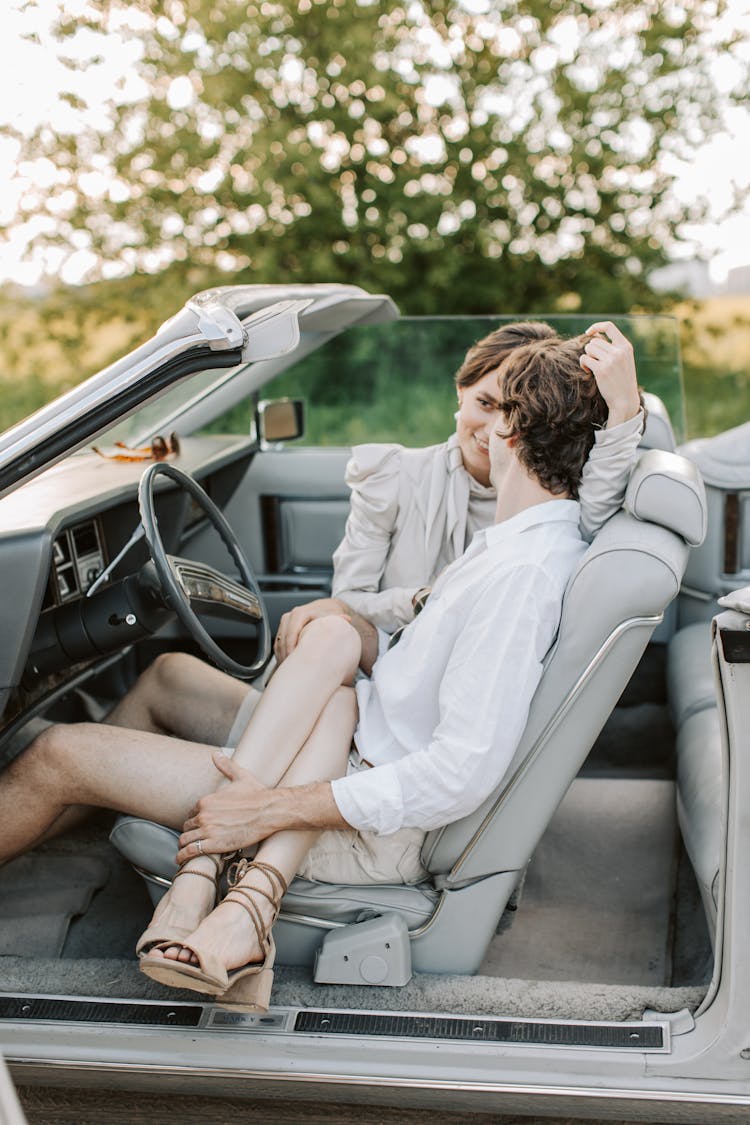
{"x":614,"y":600}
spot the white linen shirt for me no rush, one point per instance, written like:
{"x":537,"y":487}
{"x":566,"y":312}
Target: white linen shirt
{"x":414,"y":511}
{"x":444,"y":710}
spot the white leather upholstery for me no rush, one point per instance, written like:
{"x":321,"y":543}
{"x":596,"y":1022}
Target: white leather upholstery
{"x":667,"y":490}
{"x":658,"y":432}
{"x":690,"y":675}
{"x":699,"y":800}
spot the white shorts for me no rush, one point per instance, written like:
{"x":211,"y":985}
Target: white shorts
{"x":348,"y":856}
{"x":241,"y":719}
{"x":345,"y":855}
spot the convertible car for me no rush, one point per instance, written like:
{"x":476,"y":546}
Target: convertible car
{"x":580,"y":946}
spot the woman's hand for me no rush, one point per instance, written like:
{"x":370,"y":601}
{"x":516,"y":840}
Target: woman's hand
{"x":235,"y":816}
{"x":608,"y":355}
{"x":292,"y":623}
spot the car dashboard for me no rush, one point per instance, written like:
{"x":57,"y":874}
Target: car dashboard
{"x":60,"y":533}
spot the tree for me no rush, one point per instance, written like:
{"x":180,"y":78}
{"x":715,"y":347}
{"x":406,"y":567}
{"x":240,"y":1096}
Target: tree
{"x":462,"y":155}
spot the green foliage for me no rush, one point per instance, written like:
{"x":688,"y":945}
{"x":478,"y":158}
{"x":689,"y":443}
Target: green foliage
{"x":495,"y":157}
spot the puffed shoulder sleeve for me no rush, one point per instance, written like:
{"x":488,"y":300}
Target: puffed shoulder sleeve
{"x":373,"y":475}
{"x":607,"y":472}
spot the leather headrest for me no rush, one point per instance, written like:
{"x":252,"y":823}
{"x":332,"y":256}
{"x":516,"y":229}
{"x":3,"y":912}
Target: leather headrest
{"x":667,"y":489}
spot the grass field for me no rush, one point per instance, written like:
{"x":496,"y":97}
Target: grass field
{"x":42,"y":355}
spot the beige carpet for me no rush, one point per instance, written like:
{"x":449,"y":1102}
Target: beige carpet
{"x":597,"y":902}
{"x":39,"y":895}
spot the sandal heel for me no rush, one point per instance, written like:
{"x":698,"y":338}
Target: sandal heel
{"x":252,"y":993}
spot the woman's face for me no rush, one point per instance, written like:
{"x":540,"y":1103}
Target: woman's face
{"x":478,"y":412}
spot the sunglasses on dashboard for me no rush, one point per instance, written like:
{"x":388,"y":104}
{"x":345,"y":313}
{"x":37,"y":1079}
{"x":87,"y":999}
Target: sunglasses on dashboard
{"x":158,"y":450}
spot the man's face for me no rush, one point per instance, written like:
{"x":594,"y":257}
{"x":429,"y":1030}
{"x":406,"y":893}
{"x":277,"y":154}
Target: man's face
{"x":501,"y":450}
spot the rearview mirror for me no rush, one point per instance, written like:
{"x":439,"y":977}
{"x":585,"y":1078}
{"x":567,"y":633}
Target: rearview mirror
{"x":280,"y":419}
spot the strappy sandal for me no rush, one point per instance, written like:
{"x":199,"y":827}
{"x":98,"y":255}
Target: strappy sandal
{"x":247,"y":989}
{"x":158,"y":935}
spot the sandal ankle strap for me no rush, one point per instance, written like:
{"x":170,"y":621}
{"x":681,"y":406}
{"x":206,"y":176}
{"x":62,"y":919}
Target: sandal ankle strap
{"x":239,"y":869}
{"x":246,"y":896}
{"x":185,"y":870}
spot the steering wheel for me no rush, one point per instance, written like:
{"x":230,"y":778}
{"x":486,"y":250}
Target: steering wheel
{"x":186,"y":584}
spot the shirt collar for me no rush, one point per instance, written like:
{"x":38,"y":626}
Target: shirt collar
{"x":550,"y":511}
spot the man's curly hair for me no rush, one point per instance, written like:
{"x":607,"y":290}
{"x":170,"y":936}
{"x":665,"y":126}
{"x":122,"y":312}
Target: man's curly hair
{"x":487,"y":354}
{"x":552,"y":407}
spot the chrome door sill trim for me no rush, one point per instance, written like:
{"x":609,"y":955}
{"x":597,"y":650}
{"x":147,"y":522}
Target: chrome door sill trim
{"x":622,"y":1094}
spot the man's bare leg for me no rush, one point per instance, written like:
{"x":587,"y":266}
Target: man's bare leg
{"x":159,"y":777}
{"x":183,"y":696}
{"x":227,"y":931}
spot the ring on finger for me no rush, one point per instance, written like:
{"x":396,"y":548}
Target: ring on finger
{"x":199,"y":847}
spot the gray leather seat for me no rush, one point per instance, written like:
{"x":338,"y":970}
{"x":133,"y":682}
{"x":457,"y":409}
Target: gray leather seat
{"x":658,"y":432}
{"x":692,"y":697}
{"x":699,"y":801}
{"x":690,"y":675}
{"x":615,"y":599}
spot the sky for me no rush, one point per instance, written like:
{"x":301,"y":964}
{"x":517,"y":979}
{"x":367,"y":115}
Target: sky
{"x":31,"y":79}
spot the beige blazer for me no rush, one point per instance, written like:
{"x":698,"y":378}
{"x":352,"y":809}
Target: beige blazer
{"x":410,"y":510}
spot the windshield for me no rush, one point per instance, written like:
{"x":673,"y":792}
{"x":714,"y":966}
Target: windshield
{"x":157,"y":415}
{"x":394,"y":381}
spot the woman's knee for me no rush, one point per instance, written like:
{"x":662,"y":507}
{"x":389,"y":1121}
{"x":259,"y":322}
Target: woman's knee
{"x":334,"y":639}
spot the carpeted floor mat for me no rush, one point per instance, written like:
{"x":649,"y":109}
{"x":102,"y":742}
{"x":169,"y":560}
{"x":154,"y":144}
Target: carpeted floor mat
{"x":584,"y":914}
{"x":39,"y":896}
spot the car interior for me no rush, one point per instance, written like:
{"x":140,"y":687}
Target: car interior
{"x":587,"y":887}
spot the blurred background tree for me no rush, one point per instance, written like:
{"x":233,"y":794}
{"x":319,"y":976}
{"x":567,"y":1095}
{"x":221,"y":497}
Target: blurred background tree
{"x":462,"y":155}
{"x":477,"y":155}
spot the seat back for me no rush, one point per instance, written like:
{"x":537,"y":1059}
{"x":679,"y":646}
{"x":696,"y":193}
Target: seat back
{"x":614,"y":600}
{"x":658,"y":432}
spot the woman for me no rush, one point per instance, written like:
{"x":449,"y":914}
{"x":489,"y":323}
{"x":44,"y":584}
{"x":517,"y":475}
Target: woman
{"x":413,"y":511}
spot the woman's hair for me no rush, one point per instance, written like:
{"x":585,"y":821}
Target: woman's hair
{"x":551,"y":406}
{"x":488,"y":353}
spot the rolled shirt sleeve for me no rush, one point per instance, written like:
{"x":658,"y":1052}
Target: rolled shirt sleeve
{"x":484,"y":698}
{"x":606,"y":473}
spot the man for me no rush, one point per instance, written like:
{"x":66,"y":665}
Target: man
{"x":434,"y":728}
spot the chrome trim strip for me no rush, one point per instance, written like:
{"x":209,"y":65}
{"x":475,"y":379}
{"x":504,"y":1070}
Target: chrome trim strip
{"x":150,"y":877}
{"x":680,"y":1097}
{"x":308,"y":920}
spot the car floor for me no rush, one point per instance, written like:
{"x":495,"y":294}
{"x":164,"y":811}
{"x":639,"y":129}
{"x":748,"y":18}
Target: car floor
{"x":608,"y":921}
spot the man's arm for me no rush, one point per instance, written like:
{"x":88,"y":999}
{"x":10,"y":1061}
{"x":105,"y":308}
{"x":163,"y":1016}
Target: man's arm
{"x":245,"y":812}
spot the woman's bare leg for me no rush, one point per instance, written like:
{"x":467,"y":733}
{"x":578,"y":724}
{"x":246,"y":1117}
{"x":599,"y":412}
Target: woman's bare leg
{"x":226,"y":931}
{"x":327,"y":656}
